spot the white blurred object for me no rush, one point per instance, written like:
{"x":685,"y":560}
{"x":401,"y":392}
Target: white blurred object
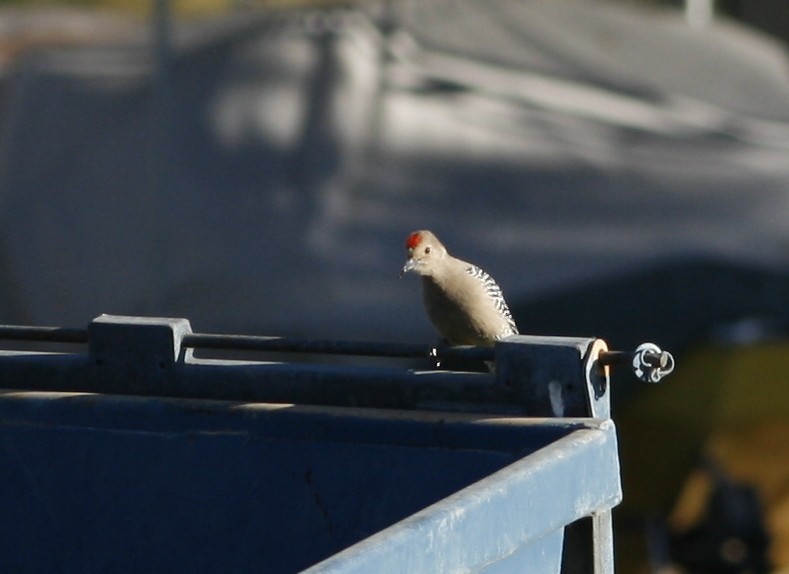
{"x":699,"y":13}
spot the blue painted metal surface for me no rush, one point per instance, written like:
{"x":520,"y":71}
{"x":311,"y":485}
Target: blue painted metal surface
{"x":519,"y":509}
{"x":122,"y":459}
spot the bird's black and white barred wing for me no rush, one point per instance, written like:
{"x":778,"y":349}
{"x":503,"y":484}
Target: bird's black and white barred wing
{"x":493,"y":291}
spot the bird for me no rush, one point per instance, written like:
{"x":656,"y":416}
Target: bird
{"x":463,"y":302}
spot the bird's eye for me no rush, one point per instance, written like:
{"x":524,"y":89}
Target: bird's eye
{"x":427,"y":250}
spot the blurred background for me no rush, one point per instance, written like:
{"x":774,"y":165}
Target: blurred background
{"x":621,"y":167}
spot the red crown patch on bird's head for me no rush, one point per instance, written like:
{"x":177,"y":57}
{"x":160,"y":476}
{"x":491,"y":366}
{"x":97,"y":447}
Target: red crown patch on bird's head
{"x":413,"y":240}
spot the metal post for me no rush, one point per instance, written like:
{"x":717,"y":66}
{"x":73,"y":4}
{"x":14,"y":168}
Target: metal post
{"x":603,"y":542}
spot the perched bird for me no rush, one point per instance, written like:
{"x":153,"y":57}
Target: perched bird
{"x":463,"y":302}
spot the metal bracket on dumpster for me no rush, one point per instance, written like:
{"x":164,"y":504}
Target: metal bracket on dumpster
{"x":555,"y":376}
{"x":569,"y":377}
{"x":135,"y":354}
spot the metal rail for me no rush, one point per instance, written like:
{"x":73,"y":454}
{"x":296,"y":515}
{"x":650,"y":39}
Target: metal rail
{"x":328,"y":347}
{"x":46,"y":334}
{"x":648,"y":362}
{"x":264,"y":343}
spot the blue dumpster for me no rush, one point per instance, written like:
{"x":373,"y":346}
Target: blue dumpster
{"x":132,"y":455}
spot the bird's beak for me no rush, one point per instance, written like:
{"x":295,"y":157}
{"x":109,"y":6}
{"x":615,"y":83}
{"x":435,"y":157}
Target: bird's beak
{"x":410,"y":265}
